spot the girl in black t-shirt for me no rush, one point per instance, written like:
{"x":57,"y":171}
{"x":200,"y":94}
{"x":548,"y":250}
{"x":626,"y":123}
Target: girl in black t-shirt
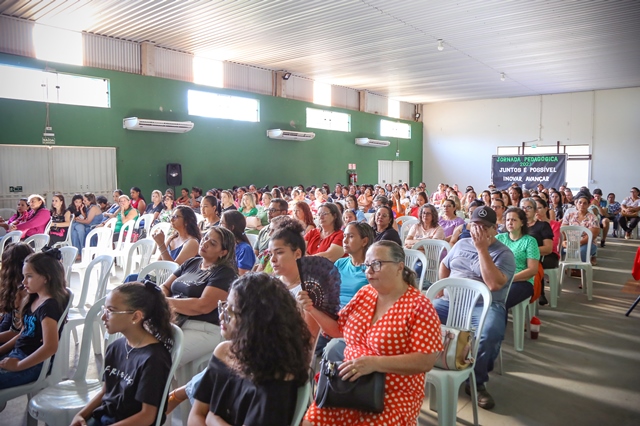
{"x":136,"y":365}
{"x":11,"y":293}
{"x":21,"y":357}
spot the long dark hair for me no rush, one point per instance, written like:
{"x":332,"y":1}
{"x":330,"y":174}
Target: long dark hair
{"x":72,"y":206}
{"x":139,"y":191}
{"x":236,"y":223}
{"x":306,"y":211}
{"x":290,"y":233}
{"x":264,"y":303}
{"x":63,"y":206}
{"x":522,"y":216}
{"x":190,"y":221}
{"x":228,"y":242}
{"x":364,"y":231}
{"x":434,"y":214}
{"x":49,"y":266}
{"x":337,"y":216}
{"x":11,"y":274}
{"x":157,"y":314}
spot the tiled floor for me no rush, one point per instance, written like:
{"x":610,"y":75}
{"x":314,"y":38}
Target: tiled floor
{"x":583,"y":369}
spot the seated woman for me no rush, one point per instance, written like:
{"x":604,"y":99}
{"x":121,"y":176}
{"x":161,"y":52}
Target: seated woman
{"x":352,"y":203}
{"x":167,"y":210}
{"x":82,"y":225}
{"x":111,"y":211}
{"x":581,"y":217}
{"x":543,"y":214}
{"x":249,"y":381}
{"x":141,"y":357}
{"x":248,"y":206}
{"x":263,"y":260}
{"x":23,"y":213}
{"x":37,"y":221}
{"x":155,"y":207}
{"x":183,"y":243}
{"x":469,"y":198}
{"x":421,"y":200}
{"x":321,"y":197}
{"x":302,"y":212}
{"x":384,"y":225}
{"x":326,"y":241}
{"x":60,"y":220}
{"x":448,"y":219}
{"x":390,"y":305}
{"x":12,"y":291}
{"x":427,"y":228}
{"x":397,"y":200}
{"x":526,"y":253}
{"x":209,"y":211}
{"x":194,"y":290}
{"x":185,"y":197}
{"x":77,"y":207}
{"x":137,"y":200}
{"x":348,"y":216}
{"x":235,"y":222}
{"x":226,"y":201}
{"x":124,"y":214}
{"x":358,"y":237}
{"x":365,"y":200}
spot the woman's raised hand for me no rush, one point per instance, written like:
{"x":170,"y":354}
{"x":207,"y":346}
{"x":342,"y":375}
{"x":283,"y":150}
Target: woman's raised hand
{"x":305,"y":301}
{"x":158,"y":237}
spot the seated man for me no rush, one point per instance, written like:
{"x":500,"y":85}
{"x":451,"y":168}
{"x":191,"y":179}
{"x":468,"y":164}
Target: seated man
{"x":277,"y":207}
{"x":482,"y":258}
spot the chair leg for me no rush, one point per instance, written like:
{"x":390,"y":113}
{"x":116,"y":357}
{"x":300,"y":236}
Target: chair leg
{"x":518,"y":313}
{"x":628,"y":312}
{"x":589,"y":282}
{"x":500,"y":362}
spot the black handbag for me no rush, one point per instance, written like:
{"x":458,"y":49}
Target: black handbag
{"x":365,"y":394}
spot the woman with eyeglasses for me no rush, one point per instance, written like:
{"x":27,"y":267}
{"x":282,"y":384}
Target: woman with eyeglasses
{"x":427,"y":228}
{"x":182,"y":243}
{"x":326,"y":241}
{"x":389,"y":305}
{"x":526,"y":253}
{"x":253,"y":377}
{"x":449,"y":220}
{"x":137,"y":365}
{"x":383,"y":221}
{"x":167,"y":210}
{"x":194,"y":290}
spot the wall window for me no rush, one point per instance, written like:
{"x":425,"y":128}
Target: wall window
{"x":214,"y":105}
{"x":328,"y":120}
{"x":395,"y":129}
{"x":43,"y":86}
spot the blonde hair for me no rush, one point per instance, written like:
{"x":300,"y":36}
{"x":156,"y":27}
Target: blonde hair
{"x":252,"y":200}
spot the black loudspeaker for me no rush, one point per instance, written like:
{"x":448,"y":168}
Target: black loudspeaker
{"x":174,"y":174}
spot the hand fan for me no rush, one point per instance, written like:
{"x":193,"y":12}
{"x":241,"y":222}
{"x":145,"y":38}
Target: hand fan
{"x":320,"y":278}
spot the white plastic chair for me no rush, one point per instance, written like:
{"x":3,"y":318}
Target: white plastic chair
{"x":162,"y":226}
{"x":199,"y":218}
{"x":253,"y":238}
{"x":68,"y":259}
{"x":555,"y":286}
{"x":463,"y":295}
{"x":161,"y":269}
{"x":67,"y":240}
{"x":9,"y":237}
{"x":37,"y":241}
{"x":302,"y":403}
{"x":140,"y":253}
{"x":573,"y":260}
{"x":58,"y":404}
{"x":411,"y":257}
{"x":518,"y":313}
{"x":30,"y":389}
{"x":433,"y":252}
{"x":102,"y":265}
{"x":104,"y":236}
{"x":48,"y":227}
{"x":406,"y":227}
{"x":148,"y":220}
{"x":368,"y":216}
{"x":6,"y":213}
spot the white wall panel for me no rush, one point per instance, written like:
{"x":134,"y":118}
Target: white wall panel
{"x":16,"y":36}
{"x":298,"y":88}
{"x":345,"y":97}
{"x":26,"y":166}
{"x":175,"y":65}
{"x":407,"y":111}
{"x":110,"y":53}
{"x":79,"y":169}
{"x":249,"y":79}
{"x":377,"y":104}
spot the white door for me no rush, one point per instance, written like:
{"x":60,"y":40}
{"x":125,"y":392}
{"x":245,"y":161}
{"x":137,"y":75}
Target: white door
{"x":385,"y":172}
{"x":401,"y":172}
{"x":47,"y":169}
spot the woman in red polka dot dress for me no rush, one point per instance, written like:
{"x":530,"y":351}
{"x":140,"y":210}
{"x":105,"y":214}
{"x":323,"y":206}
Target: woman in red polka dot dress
{"x":390,"y":327}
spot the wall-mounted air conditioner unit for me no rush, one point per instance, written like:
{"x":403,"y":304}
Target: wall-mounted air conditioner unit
{"x":290,"y":135}
{"x":135,"y":123}
{"x":371,"y":142}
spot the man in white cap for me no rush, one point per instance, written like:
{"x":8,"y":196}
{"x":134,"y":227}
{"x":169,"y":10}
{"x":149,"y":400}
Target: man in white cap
{"x":482,"y":258}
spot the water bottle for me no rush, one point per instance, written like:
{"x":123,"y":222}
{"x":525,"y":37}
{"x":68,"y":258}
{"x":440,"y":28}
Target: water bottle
{"x":535,"y":327}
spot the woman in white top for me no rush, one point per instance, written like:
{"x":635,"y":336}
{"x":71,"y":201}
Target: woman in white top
{"x":427,"y":228}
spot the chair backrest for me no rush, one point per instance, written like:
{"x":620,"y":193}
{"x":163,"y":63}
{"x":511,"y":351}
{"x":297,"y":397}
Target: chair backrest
{"x":463,"y":296}
{"x":125,"y":234}
{"x":252,"y":239}
{"x":176,"y":356}
{"x":93,"y":315}
{"x":302,"y":403}
{"x":9,"y":237}
{"x":69,"y":254}
{"x":111,"y":223}
{"x":433,"y":251}
{"x":104,"y":236}
{"x":368,"y":216}
{"x":572,"y":235}
{"x":38,"y":241}
{"x":406,"y":227}
{"x":411,"y":257}
{"x":46,"y":228}
{"x":6,"y":213}
{"x":105,"y":263}
{"x":67,"y":240}
{"x":162,"y":269}
{"x":401,"y":220}
{"x":144,"y":249}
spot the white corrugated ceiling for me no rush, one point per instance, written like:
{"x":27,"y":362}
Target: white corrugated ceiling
{"x":387,"y":47}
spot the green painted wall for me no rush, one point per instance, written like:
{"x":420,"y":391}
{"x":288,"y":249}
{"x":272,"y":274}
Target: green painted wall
{"x":216,"y":153}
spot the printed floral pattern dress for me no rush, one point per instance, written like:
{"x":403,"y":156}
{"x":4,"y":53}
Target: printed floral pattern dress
{"x":410,"y":325}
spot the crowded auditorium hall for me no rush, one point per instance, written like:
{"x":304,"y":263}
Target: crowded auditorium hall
{"x":295,"y":213}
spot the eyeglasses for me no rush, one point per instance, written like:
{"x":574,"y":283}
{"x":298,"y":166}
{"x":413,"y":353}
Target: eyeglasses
{"x":273,"y":210}
{"x":323,"y":214}
{"x":223,"y":308}
{"x":376,"y":265}
{"x":528,"y":208}
{"x":383,"y":216}
{"x":175,"y":217}
{"x":107,"y":312}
